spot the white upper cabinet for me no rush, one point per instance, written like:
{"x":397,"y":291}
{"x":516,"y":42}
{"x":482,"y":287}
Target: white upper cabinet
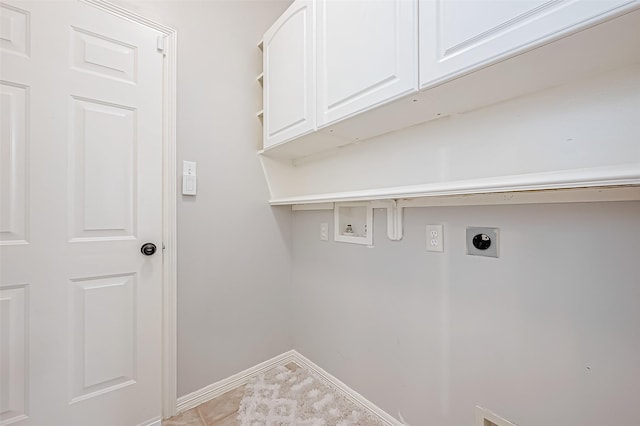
{"x":367,"y":55}
{"x":289,"y":75}
{"x":459,"y":36}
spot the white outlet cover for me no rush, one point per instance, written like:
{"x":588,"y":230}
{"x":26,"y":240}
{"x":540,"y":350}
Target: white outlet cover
{"x":435,"y":238}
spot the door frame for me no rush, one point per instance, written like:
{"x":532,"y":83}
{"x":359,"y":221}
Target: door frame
{"x":169,"y":201}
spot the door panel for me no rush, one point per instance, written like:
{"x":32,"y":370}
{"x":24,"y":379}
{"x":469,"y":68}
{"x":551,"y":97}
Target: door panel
{"x":103,"y":334}
{"x":13,"y":352}
{"x":103,"y":170}
{"x":13,"y":163}
{"x":101,"y":55}
{"x":289,"y":74}
{"x":81,"y":192}
{"x":14,"y":30}
{"x":367,"y":55}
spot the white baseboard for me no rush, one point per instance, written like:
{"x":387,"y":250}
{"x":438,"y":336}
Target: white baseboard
{"x":157,"y":421}
{"x":349,"y":393}
{"x":216,"y":389}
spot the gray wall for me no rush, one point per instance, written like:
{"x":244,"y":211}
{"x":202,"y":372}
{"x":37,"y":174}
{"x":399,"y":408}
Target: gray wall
{"x":548,"y":334}
{"x":429,"y":335}
{"x":234,"y":264}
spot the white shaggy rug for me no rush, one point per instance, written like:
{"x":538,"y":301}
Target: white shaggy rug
{"x":294,"y":397}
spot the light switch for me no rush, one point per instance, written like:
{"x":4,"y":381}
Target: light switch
{"x":189,"y":180}
{"x":324,"y":231}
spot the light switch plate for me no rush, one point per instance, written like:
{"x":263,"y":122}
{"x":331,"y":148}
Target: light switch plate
{"x":189,"y":179}
{"x":189,"y":185}
{"x":324,"y":231}
{"x":189,"y":168}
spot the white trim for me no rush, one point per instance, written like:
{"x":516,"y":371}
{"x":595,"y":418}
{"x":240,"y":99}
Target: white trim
{"x":15,"y":419}
{"x":156,"y":421}
{"x":555,"y":196}
{"x":550,"y":196}
{"x":320,"y":206}
{"x":216,"y":389}
{"x":169,"y":195}
{"x":623,"y":175}
{"x":132,"y":16}
{"x":349,"y":393}
{"x":170,"y":232}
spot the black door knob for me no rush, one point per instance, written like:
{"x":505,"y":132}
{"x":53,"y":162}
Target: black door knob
{"x":148,"y":249}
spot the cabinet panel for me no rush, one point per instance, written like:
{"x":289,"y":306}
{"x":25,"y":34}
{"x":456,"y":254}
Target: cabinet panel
{"x":289,"y":75}
{"x":459,"y":36}
{"x":367,"y":54}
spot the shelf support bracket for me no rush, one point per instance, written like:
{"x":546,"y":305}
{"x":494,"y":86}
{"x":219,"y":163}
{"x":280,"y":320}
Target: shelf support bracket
{"x":394,"y":220}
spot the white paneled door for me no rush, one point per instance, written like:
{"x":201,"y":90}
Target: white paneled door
{"x":81,"y":170}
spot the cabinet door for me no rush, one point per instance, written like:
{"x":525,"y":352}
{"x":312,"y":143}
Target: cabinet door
{"x":367,"y":54}
{"x":459,"y":36}
{"x":289,"y":75}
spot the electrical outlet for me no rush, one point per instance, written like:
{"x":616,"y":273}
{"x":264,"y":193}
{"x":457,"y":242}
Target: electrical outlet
{"x":324,"y":231}
{"x":483,"y":241}
{"x":435,"y":238}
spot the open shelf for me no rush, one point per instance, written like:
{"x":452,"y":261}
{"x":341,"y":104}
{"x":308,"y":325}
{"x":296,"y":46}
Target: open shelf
{"x":260,"y":79}
{"x":601,"y":179}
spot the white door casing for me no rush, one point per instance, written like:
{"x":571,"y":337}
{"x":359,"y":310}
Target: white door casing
{"x":82,"y":190}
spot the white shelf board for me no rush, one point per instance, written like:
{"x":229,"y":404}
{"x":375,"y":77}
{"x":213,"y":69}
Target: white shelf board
{"x":318,"y":206}
{"x":550,"y":196}
{"x":310,"y":143}
{"x":550,"y":65}
{"x":601,"y":177}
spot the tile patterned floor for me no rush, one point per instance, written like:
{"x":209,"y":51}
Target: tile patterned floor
{"x":220,"y":411}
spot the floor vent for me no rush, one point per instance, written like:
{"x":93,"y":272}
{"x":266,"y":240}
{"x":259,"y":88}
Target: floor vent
{"x":485,"y":417}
